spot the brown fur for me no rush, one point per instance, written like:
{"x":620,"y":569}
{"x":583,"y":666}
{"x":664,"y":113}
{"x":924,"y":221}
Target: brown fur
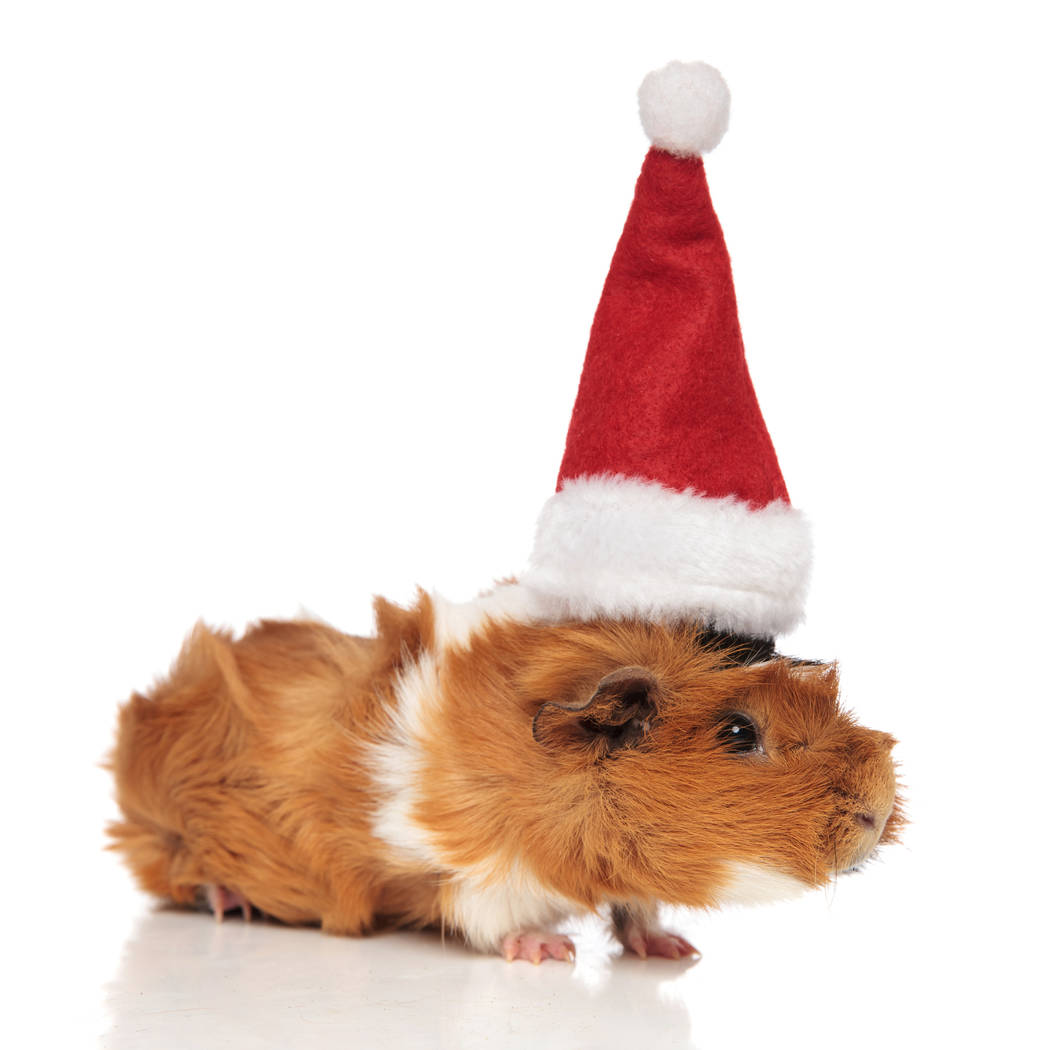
{"x":251,"y":767}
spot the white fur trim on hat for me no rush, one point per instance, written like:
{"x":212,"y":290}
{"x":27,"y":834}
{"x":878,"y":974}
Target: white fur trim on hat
{"x":684,"y":108}
{"x":622,"y":547}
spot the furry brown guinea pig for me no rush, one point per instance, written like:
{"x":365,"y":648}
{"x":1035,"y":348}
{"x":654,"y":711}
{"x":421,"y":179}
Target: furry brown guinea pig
{"x":466,"y":770}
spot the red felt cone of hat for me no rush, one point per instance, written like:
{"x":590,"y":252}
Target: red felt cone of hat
{"x":670,"y":503}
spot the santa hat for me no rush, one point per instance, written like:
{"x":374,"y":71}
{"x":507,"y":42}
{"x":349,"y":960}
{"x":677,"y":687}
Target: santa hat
{"x":670,"y":503}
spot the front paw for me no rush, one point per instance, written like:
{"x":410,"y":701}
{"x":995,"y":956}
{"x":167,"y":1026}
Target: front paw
{"x":657,"y":943}
{"x":537,"y":945}
{"x":636,"y":929}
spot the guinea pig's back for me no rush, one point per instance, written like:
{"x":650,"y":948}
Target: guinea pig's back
{"x":220,"y":767}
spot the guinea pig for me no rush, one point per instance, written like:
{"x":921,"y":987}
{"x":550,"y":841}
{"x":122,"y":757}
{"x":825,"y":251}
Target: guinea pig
{"x":492,"y":777}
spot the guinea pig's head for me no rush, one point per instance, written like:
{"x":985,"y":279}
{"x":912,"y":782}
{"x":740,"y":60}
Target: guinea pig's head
{"x":707,"y":771}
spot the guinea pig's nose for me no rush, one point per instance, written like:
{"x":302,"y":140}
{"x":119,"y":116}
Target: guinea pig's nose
{"x":871,"y":821}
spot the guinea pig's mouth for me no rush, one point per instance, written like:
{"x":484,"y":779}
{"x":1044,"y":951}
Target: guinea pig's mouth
{"x":854,"y":861}
{"x":854,"y":864}
{"x":858,"y":865}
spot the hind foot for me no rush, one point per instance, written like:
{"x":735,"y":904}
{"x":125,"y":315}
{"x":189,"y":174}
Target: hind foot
{"x":221,"y":900}
{"x":535,"y":946}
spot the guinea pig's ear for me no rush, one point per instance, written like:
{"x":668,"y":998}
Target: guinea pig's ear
{"x":617,"y":714}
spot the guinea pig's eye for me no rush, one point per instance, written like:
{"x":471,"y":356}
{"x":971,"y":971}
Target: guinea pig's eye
{"x":739,"y":735}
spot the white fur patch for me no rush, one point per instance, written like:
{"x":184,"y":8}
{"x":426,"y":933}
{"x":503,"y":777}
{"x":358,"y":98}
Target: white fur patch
{"x":456,"y":622}
{"x":623,"y":547}
{"x":397,"y":764}
{"x":758,"y":884}
{"x":489,"y":903}
{"x":488,"y":900}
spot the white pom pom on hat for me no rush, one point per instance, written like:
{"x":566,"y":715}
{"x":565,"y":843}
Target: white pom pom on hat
{"x":684,"y":108}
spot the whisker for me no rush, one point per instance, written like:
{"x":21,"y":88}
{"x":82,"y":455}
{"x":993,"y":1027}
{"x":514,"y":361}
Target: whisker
{"x":834,"y":873}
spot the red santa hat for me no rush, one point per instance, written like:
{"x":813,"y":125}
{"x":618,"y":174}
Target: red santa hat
{"x":670,"y":503}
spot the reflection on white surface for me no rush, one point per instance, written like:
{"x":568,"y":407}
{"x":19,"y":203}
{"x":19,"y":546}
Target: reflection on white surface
{"x":186,"y":981}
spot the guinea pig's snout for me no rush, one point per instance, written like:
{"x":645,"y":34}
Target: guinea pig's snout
{"x":871,"y":821}
{"x":874,"y":802}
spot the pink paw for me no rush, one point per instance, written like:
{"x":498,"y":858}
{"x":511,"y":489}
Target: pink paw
{"x":656,"y":942}
{"x":221,"y":900}
{"x":535,"y":946}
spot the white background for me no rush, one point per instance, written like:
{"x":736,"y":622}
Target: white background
{"x":293,"y":301}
